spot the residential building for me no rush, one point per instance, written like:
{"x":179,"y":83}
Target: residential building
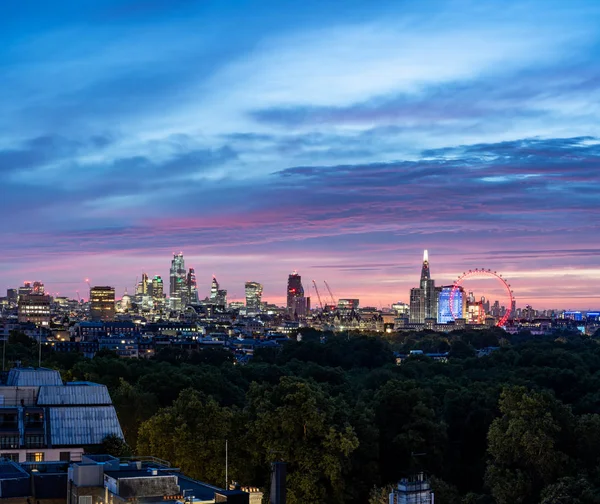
{"x":43,"y":419}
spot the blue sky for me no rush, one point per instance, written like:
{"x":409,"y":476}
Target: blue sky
{"x":336,"y":138}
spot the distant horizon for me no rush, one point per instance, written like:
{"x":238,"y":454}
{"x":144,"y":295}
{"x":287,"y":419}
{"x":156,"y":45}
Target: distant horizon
{"x":277,"y":295}
{"x":339,"y":139}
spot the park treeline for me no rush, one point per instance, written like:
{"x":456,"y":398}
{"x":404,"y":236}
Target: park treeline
{"x":520,"y":425}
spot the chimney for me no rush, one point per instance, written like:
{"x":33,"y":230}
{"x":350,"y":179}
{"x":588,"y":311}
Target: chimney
{"x":278,"y":474}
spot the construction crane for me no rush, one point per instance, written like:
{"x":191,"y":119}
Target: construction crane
{"x":78,"y":297}
{"x":330,"y":294}
{"x":318,"y":295}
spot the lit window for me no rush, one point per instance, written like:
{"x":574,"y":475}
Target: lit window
{"x":35,"y":457}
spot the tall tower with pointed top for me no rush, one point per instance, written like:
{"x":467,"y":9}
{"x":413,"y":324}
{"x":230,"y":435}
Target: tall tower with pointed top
{"x":423,"y":299}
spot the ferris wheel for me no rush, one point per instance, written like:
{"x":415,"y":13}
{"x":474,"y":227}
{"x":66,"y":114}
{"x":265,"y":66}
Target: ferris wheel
{"x":483,"y":273}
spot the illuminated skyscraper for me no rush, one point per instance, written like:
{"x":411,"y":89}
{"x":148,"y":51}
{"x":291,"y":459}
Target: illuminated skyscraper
{"x":423,"y":299}
{"x":296,"y":302}
{"x":102,"y":303}
{"x":158,"y":295}
{"x":214,"y":289}
{"x":177,"y":280}
{"x":191,"y":287}
{"x":142,"y":286}
{"x":254,"y":292}
{"x":444,"y":315}
{"x":218,"y":296}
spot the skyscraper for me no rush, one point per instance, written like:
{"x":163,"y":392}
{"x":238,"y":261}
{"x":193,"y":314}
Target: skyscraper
{"x":102,"y":303}
{"x":444,"y":314}
{"x":218,"y":296}
{"x":191,"y":287}
{"x":157,"y":290}
{"x":254,"y":292}
{"x":214,"y":289}
{"x":423,"y":299}
{"x":177,"y":280}
{"x":142,"y":286}
{"x":296,"y":302}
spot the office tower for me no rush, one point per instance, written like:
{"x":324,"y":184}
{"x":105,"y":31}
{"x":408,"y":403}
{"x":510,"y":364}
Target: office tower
{"x":102,"y":303}
{"x":347,"y":305}
{"x":214,"y":289}
{"x":254,"y":292}
{"x":296,"y":302}
{"x":423,"y":299}
{"x":34,"y":308}
{"x":221,"y":297}
{"x":143,"y":286}
{"x":177,"y":278}
{"x":38,"y":288}
{"x":444,"y":313}
{"x":12,"y":295}
{"x":191,"y":288}
{"x":26,"y":289}
{"x":157,"y":290}
{"x":218,"y":296}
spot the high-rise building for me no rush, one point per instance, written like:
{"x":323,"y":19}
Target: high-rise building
{"x":218,"y":296}
{"x":177,"y":278}
{"x":191,"y":288}
{"x":423,"y":299}
{"x":38,"y":288}
{"x":12,"y":295}
{"x":254,"y":292}
{"x":26,"y":289}
{"x":296,"y":302}
{"x":34,"y":308}
{"x":158,"y":295}
{"x":445,"y":311}
{"x":214,"y":289}
{"x":102,"y":303}
{"x":348,"y":305}
{"x":142,"y":286}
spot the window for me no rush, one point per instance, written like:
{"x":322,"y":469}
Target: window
{"x":9,"y":442}
{"x":85,"y":499}
{"x":34,"y":420}
{"x":65,"y":456}
{"x":35,"y":457}
{"x":11,"y":456}
{"x":34,"y":441}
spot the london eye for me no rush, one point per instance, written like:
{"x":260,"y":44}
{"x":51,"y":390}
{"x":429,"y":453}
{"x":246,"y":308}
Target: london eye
{"x":477,"y":274}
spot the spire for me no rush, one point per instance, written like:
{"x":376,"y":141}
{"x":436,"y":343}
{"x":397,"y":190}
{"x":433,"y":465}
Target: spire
{"x":425,"y":274}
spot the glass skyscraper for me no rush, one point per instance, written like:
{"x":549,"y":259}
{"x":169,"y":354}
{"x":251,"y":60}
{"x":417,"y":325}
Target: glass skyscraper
{"x":254,"y":292}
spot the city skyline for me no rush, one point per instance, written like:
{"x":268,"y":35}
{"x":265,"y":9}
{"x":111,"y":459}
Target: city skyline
{"x":336,"y":141}
{"x":489,"y":288}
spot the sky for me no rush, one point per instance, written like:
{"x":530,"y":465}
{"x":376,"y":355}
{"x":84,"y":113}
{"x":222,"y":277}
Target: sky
{"x":338,"y":139}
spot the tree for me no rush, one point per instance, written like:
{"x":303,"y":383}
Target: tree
{"x":133,"y":407}
{"x":115,"y":446}
{"x":191,"y":434}
{"x":569,"y":491}
{"x":298,"y":423}
{"x":525,"y":446}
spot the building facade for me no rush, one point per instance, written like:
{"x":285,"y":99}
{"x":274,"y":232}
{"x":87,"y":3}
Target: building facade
{"x":42,"y":419}
{"x":102,"y":303}
{"x":296,"y":302}
{"x":424,"y":299}
{"x":34,"y":308}
{"x":254,"y":292}
{"x":177,"y":277}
